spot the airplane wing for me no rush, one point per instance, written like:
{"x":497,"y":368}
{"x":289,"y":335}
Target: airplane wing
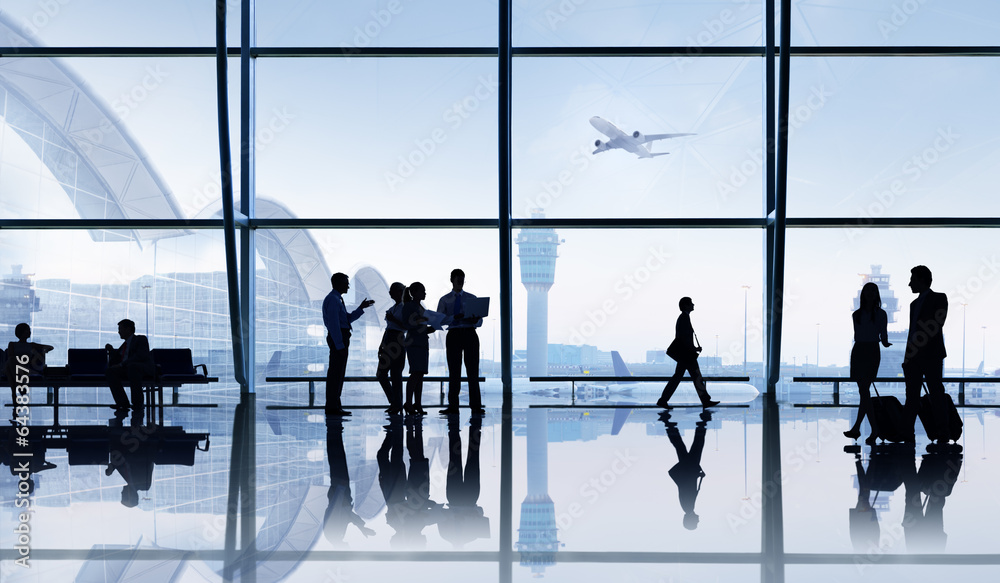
{"x":653,"y":137}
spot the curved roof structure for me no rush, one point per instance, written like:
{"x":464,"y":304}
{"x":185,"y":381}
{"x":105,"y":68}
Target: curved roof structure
{"x":295,"y":248}
{"x":87,"y":148}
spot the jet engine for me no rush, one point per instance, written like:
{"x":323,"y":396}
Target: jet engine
{"x":597,"y":143}
{"x":637,"y":135}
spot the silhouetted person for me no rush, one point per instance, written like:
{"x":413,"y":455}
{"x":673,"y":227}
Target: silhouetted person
{"x":463,"y":521}
{"x":132,"y":455}
{"x":688,"y":352}
{"x":419,"y":511}
{"x":392,"y":352}
{"x":462,"y":343}
{"x":338,"y":326}
{"x":130,"y":362}
{"x":923,"y":520}
{"x":417,"y":345}
{"x":340,"y":508}
{"x":924,"y":357}
{"x":870,"y":328}
{"x":16,"y":351}
{"x":687,"y":472}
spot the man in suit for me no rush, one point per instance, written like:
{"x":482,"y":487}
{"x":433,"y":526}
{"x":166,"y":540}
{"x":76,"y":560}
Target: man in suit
{"x":338,"y":326}
{"x":131,"y":362}
{"x":924,"y":356}
{"x":462,"y":341}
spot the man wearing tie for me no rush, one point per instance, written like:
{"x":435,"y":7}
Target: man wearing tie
{"x":131,"y":361}
{"x":338,"y":325}
{"x":924,"y":357}
{"x":462,"y":341}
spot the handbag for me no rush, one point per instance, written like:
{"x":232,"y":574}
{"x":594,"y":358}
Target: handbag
{"x":679,"y":352}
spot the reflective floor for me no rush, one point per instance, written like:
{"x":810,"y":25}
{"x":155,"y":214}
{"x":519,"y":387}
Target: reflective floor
{"x":607,"y":489}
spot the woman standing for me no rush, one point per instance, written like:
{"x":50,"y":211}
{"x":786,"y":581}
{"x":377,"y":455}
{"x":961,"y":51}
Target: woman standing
{"x":417,"y":345}
{"x":870,"y":322}
{"x":684,"y":350}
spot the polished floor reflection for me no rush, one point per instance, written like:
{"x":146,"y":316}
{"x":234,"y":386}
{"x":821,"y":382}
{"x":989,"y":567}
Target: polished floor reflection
{"x":262,"y":490}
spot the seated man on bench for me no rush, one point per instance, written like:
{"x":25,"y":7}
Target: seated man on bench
{"x":131,"y":361}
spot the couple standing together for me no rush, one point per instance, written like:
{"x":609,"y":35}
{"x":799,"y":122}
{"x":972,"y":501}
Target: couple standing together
{"x":923,"y":359}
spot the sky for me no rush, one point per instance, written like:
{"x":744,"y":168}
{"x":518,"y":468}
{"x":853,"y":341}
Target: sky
{"x":417,"y":138}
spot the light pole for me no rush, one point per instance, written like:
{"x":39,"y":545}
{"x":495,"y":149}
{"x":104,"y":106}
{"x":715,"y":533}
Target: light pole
{"x":146,"y":287}
{"x":746,"y":290}
{"x":984,"y":350}
{"x":817,"y":349}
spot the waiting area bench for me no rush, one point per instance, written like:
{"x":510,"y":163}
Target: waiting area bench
{"x":87,"y":368}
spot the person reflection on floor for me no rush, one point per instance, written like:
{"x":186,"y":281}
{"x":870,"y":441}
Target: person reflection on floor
{"x":863,"y":520}
{"x":687,"y":472}
{"x":132,"y":456}
{"x":392,"y":473}
{"x":340,"y":510}
{"x":923,"y":519}
{"x":417,"y":511}
{"x":463,"y":521}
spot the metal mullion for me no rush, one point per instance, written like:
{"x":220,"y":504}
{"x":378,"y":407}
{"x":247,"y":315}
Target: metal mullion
{"x":694,"y":223}
{"x":373,"y":223}
{"x":132,"y":224}
{"x":504,"y":67}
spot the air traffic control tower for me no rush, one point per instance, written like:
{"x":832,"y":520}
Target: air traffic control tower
{"x":536,"y":249}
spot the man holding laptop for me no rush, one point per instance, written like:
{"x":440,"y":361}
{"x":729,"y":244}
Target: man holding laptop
{"x":465,"y":313}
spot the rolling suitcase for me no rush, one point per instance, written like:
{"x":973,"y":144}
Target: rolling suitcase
{"x":890,"y":419}
{"x":939,"y":417}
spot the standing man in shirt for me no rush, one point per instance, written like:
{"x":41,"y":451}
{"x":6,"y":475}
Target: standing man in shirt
{"x":462,"y":343}
{"x":338,"y":336}
{"x":132,"y":361}
{"x":924,"y":356}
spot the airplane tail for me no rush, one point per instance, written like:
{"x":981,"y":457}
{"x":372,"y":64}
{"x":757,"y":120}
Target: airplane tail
{"x":620,"y":369}
{"x":979,"y":371}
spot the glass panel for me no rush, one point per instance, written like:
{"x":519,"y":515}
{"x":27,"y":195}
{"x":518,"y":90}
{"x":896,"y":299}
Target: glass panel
{"x":682,"y":481}
{"x":894,"y":23}
{"x":896,"y":501}
{"x":827,"y":267}
{"x":565,"y":106}
{"x":605,"y":23}
{"x":376,"y":23}
{"x":407,"y":138}
{"x":111,"y":138}
{"x":431,"y":485}
{"x":295,"y":279}
{"x":73,"y":287}
{"x":116,"y":23}
{"x":618,"y":290}
{"x":892,"y":137}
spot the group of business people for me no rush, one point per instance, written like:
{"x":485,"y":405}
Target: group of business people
{"x":406,"y":339}
{"x":923,"y":360}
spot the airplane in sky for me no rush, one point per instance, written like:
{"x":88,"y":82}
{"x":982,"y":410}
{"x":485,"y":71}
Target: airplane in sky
{"x":631,"y":142}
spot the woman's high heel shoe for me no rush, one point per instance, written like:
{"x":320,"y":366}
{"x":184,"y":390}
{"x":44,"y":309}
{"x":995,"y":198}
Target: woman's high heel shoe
{"x":852,"y":433}
{"x":871,"y":440}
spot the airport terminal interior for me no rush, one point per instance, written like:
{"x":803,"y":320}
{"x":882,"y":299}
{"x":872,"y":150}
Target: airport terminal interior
{"x":203,"y":169}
